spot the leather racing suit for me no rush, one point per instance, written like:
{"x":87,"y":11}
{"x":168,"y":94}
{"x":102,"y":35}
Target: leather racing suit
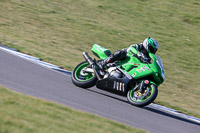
{"x":121,"y":54}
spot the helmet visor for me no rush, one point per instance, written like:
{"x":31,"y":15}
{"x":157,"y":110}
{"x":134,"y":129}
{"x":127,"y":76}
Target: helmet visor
{"x":152,"y":49}
{"x":153,"y":45}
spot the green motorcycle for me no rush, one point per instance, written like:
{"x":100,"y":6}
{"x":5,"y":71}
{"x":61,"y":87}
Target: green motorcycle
{"x":130,"y":77}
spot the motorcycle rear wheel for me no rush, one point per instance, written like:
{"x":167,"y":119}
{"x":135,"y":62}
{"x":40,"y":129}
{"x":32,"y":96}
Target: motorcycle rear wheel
{"x":142,"y":99}
{"x":82,"y":79}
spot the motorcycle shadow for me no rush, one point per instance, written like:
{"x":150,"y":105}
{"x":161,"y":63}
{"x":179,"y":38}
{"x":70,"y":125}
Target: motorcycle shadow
{"x":148,"y":108}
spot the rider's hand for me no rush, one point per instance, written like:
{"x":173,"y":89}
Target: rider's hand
{"x":140,"y":55}
{"x":145,"y":59}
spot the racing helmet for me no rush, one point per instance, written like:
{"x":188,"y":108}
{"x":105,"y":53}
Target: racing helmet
{"x":150,"y":45}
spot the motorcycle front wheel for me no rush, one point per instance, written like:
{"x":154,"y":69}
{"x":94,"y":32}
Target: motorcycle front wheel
{"x":136,"y":98}
{"x":81,"y":78}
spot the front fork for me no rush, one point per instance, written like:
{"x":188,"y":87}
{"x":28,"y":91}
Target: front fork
{"x":143,"y":85}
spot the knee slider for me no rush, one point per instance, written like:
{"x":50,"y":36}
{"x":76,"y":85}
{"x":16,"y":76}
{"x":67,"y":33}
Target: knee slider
{"x":120,"y":54}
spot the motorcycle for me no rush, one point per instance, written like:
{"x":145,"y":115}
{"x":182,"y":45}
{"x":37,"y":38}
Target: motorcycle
{"x":131,"y":77}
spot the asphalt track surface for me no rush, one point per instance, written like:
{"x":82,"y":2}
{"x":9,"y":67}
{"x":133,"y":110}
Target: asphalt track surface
{"x":32,"y":79}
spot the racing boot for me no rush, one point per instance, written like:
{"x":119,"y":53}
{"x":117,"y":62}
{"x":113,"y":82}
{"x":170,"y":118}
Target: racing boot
{"x":103,"y":63}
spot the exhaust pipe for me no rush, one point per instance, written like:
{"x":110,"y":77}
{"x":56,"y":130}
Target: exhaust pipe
{"x":91,"y":62}
{"x":88,"y":58}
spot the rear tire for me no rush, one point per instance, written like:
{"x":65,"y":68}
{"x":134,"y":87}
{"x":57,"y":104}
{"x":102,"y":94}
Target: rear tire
{"x":84,"y":81}
{"x":132,"y":98}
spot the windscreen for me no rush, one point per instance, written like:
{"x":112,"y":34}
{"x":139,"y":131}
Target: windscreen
{"x":159,"y":61}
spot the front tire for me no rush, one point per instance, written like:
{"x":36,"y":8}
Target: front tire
{"x":81,"y":79}
{"x":138,"y":100}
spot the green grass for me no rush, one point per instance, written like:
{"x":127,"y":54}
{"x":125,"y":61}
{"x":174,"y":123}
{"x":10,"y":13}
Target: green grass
{"x":59,"y":31}
{"x":25,"y":114}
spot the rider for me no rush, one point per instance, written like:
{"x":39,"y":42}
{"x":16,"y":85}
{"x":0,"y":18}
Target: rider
{"x":149,"y":45}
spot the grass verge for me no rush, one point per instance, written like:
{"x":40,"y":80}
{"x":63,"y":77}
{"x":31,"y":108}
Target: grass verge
{"x":25,"y":114}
